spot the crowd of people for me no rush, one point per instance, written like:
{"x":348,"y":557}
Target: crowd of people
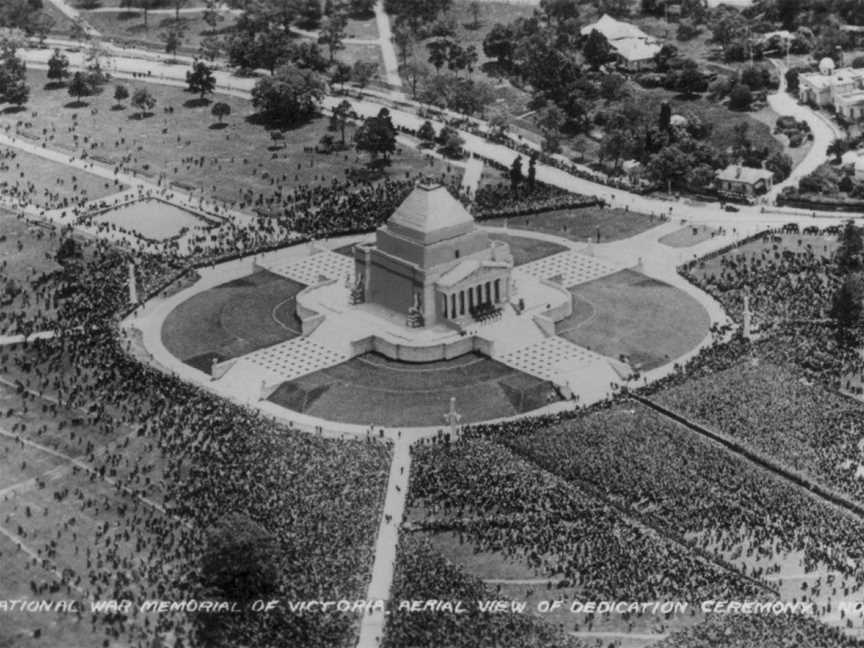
{"x":421,"y":573}
{"x":135,"y":524}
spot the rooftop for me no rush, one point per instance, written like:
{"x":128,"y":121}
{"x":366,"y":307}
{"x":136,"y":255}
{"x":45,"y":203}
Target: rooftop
{"x":614,"y":29}
{"x":430,"y":212}
{"x":747,"y":175}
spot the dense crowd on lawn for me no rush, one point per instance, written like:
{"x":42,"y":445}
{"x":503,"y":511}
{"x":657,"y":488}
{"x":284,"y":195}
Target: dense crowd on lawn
{"x":192,"y":453}
{"x":422,"y":574}
{"x":781,"y":412}
{"x":758,"y":631}
{"x":787,"y":277}
{"x":684,"y":485}
{"x":576,"y":536}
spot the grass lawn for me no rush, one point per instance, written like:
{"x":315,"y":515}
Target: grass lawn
{"x":153,"y":219}
{"x":128,"y":27}
{"x":630,"y":314}
{"x":364,"y":29}
{"x":687,"y":236}
{"x":233,"y":319}
{"x":526,"y":249}
{"x":584,"y":223}
{"x":49,"y":184}
{"x":353,"y":52}
{"x":371,"y":389}
{"x":238,"y":163}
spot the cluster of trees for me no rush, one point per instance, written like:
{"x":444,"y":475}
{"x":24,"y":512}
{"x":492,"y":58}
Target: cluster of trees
{"x":263,"y":38}
{"x":448,"y":139}
{"x":13,"y":76}
{"x":290,"y":96}
{"x":26,"y":15}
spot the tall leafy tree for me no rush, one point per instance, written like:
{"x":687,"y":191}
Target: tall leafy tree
{"x":292,"y":95}
{"x":200,"y":79}
{"x":377,"y":136}
{"x":58,"y":67}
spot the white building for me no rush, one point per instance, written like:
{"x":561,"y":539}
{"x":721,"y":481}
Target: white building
{"x":841,"y":88}
{"x":634,"y":48}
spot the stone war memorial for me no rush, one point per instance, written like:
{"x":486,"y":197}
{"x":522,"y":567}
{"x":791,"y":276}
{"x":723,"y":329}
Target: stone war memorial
{"x":431,"y":262}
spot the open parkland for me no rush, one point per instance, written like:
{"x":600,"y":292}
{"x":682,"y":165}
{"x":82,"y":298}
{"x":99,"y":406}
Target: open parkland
{"x":179,"y":424}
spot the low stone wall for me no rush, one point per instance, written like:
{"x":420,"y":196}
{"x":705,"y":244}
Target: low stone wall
{"x":430,"y":353}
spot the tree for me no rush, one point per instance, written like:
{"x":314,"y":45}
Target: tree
{"x":341,"y":113}
{"x":58,"y":67}
{"x":560,"y":11}
{"x":416,"y":12}
{"x":740,"y":98}
{"x":532,"y":172}
{"x":792,"y":80}
{"x":549,"y":120}
{"x":665,"y":119}
{"x":439,"y":50}
{"x":341,"y":73}
{"x":452,"y":144}
{"x":211,"y":47}
{"x":79,"y":86}
{"x":613,"y":87}
{"x":291,"y":95}
{"x":414,"y":72}
{"x":121,"y":94}
{"x":18,"y":93}
{"x":143,"y":101}
{"x":474,"y":8}
{"x":377,"y":136}
{"x":779,"y":164}
{"x":837,"y":148}
{"x":617,"y":145}
{"x":404,"y":41}
{"x":727,"y":25}
{"x":220,"y":111}
{"x":669,"y":166}
{"x":173,"y":38}
{"x":499,"y":44}
{"x":849,"y":252}
{"x":200,"y":79}
{"x":362,"y":72}
{"x":178,"y":5}
{"x":426,"y":132}
{"x":333,"y":32}
{"x":68,"y":250}
{"x":144,"y":5}
{"x":211,"y":15}
{"x":310,"y":14}
{"x":516,"y":174}
{"x":361,"y":8}
{"x":596,"y":50}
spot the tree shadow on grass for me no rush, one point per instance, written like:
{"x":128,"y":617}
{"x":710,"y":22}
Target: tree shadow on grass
{"x":197,"y":102}
{"x":54,"y":85}
{"x":138,"y":116}
{"x":78,"y":103}
{"x":129,"y":15}
{"x":275,"y":122}
{"x":221,"y":126}
{"x":11,"y":110}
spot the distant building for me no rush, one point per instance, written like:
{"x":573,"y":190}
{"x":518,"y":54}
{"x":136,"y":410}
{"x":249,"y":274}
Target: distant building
{"x":634,"y":48}
{"x":431,"y":262}
{"x":842,"y":88}
{"x":736,"y":181}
